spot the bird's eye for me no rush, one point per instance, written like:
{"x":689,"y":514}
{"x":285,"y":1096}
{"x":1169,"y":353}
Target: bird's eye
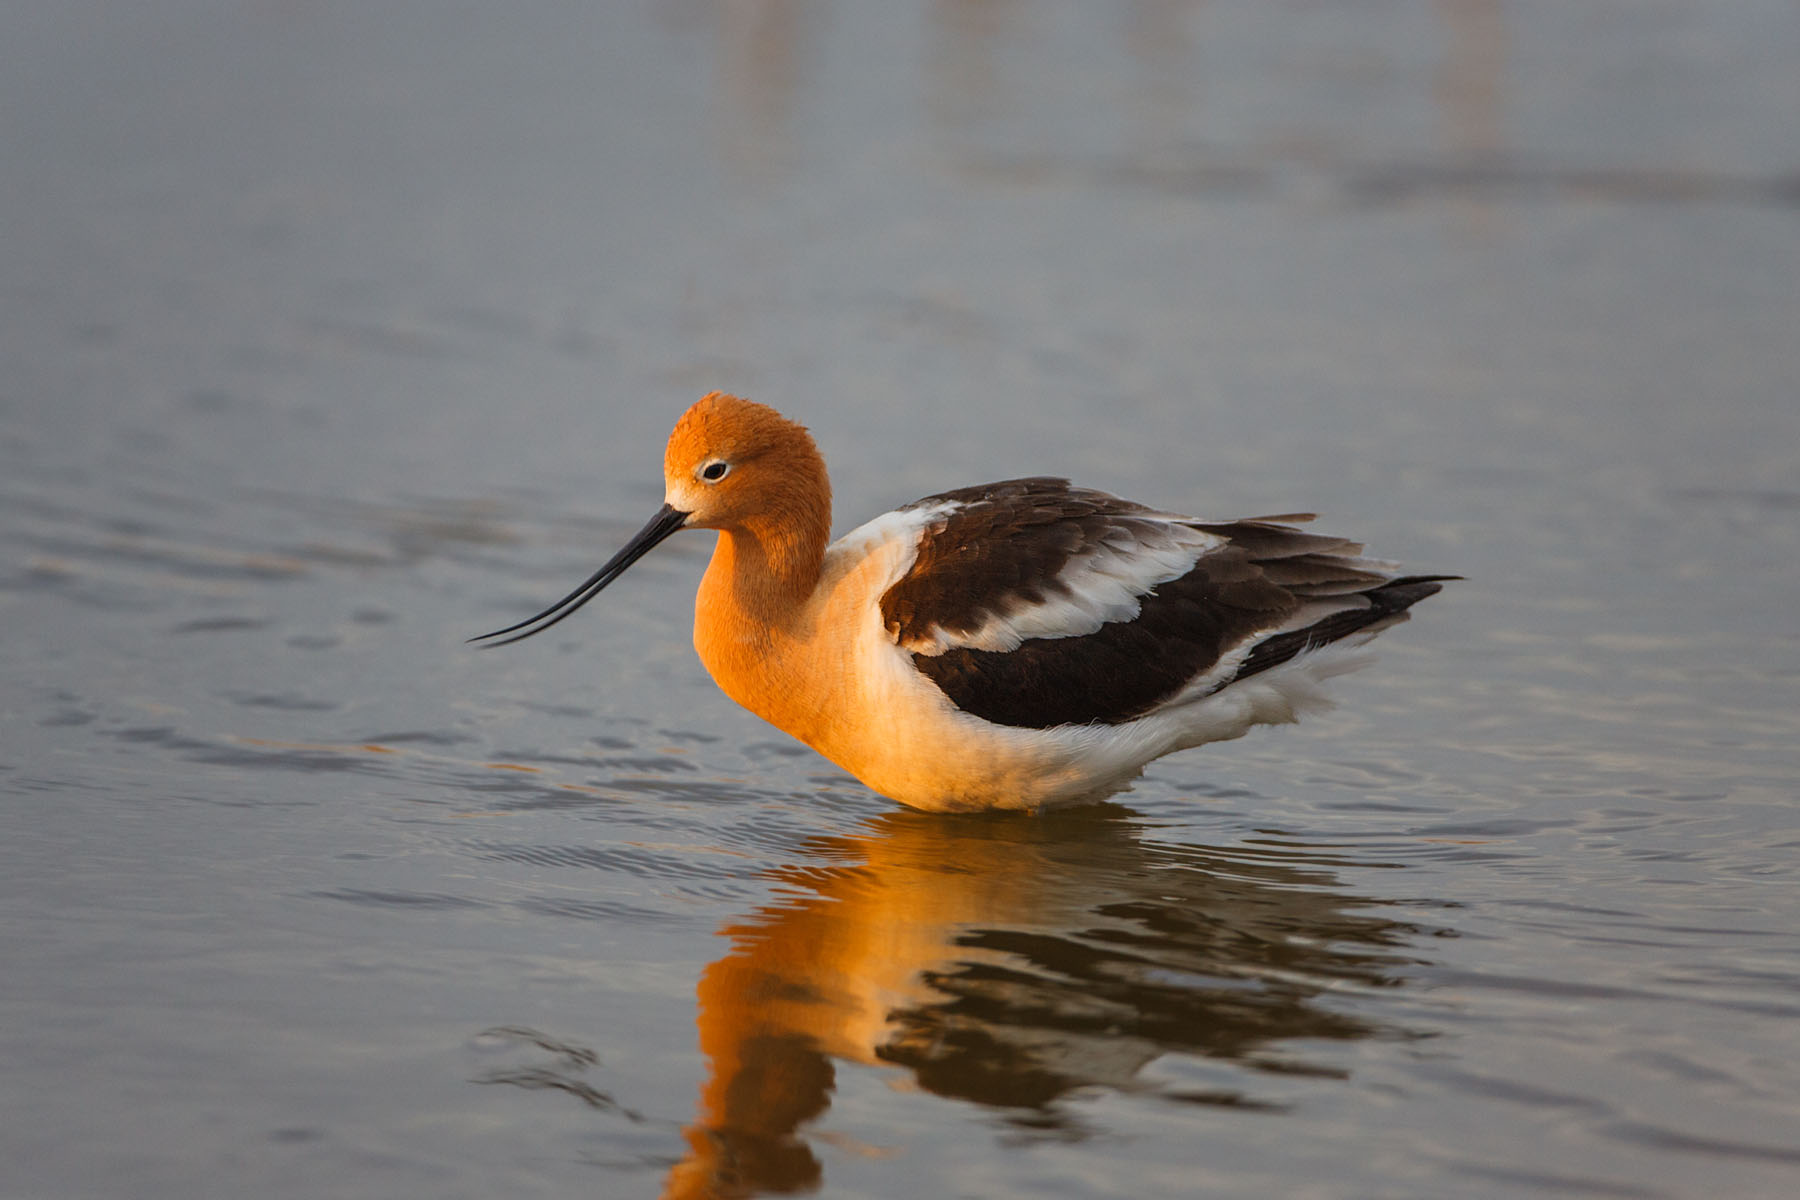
{"x":714,"y":471}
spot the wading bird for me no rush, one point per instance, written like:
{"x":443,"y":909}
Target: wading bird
{"x":1020,"y":644}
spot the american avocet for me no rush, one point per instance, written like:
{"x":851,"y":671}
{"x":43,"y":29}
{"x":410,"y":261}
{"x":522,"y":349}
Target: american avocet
{"x":1015,"y":645}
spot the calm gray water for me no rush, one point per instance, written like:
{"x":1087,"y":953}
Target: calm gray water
{"x":332,"y":334}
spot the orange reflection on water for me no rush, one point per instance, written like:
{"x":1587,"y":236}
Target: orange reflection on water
{"x":1009,"y":961}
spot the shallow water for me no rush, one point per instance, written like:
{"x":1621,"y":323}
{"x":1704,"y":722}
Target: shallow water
{"x":332,"y":337}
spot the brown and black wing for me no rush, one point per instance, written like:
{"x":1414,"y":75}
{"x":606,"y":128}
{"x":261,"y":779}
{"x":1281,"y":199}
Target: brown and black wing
{"x":1035,"y":604}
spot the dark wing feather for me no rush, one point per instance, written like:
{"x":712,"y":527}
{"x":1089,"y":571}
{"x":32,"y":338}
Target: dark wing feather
{"x":1387,"y":602}
{"x":1002,"y":545}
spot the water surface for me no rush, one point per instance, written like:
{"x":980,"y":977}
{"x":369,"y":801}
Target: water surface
{"x":335,"y":336}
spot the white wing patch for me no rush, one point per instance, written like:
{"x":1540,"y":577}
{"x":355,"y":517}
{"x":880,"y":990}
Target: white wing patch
{"x":902,"y":526}
{"x":1103,"y":586}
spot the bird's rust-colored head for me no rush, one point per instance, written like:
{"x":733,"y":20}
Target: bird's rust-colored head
{"x":735,"y":464}
{"x":732,"y":465}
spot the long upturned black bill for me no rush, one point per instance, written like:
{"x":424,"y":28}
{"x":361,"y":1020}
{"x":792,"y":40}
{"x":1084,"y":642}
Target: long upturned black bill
{"x":667,"y":520}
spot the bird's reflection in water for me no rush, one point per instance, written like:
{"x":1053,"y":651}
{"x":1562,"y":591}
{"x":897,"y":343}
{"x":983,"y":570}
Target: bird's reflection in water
{"x":1008,"y":960}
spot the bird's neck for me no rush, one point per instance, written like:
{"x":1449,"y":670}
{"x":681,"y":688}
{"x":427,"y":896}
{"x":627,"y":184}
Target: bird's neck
{"x":753,"y":625}
{"x":762,"y":574}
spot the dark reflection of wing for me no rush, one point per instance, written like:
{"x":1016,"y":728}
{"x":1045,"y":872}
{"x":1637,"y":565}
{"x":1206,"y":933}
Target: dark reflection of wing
{"x":1008,"y":960}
